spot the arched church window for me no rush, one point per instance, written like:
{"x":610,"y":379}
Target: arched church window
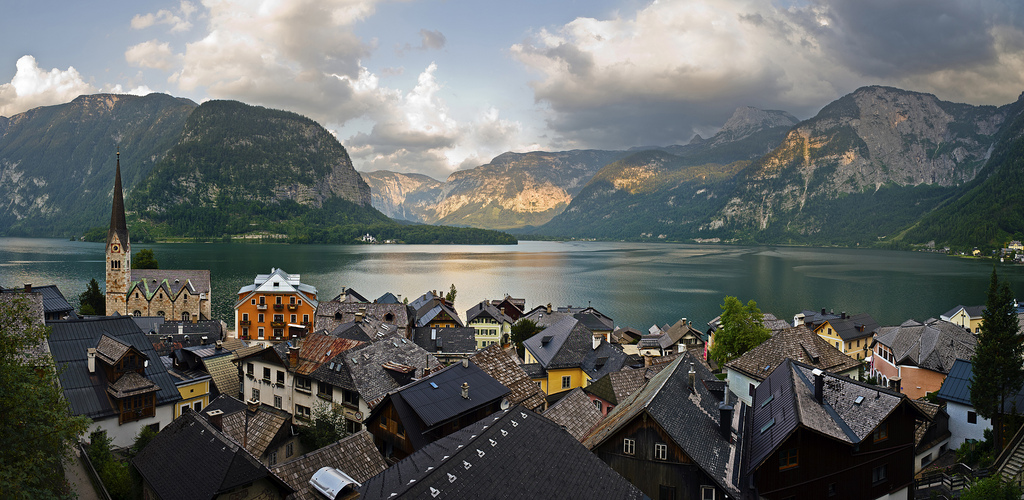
{"x":184,"y":316}
{"x":137,"y":313}
{"x":160,"y":313}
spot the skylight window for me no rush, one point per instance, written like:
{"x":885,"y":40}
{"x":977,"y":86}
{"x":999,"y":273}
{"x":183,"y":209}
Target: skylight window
{"x":859,"y":400}
{"x":433,"y":385}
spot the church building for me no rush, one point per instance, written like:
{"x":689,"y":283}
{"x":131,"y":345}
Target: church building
{"x":178,"y":295}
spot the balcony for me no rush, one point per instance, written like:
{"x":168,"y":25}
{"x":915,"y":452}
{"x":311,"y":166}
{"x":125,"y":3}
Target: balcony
{"x":278,"y":307}
{"x":292,"y":307}
{"x":261,"y":307}
{"x":278,"y":324}
{"x":244,"y":322}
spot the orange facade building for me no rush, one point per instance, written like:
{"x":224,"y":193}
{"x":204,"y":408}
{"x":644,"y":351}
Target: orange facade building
{"x":274,"y":308}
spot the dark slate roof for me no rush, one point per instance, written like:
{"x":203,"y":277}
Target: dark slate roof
{"x":487,"y":310}
{"x":208,"y":327}
{"x":54,"y":302}
{"x":354,"y":455}
{"x":350,"y":330}
{"x":957,"y":386}
{"x":504,"y":367}
{"x":799,"y":343}
{"x":575,"y":412}
{"x":972,"y":311}
{"x":150,"y":325}
{"x":388,"y":298}
{"x":437,"y":398}
{"x":933,"y":345}
{"x":785,"y":400}
{"x":854,"y":327}
{"x":69,"y":341}
{"x":689,"y":417}
{"x":460,"y":339}
{"x":350,"y":295}
{"x":510,"y":454}
{"x":190,"y":459}
{"x":605,"y":359}
{"x":595,"y":321}
{"x":533,"y":370}
{"x":569,"y":341}
{"x":118,"y":225}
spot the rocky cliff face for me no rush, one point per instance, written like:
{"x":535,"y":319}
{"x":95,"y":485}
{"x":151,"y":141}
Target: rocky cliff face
{"x":57,"y":162}
{"x":409,"y":197}
{"x":874,"y":138}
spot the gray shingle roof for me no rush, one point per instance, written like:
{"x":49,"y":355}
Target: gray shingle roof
{"x":616,"y":387}
{"x":501,"y":365}
{"x":934,"y":344}
{"x":605,"y":359}
{"x":354,"y":455}
{"x":458,"y":340}
{"x":365,"y":366}
{"x":69,"y":341}
{"x":799,"y":343}
{"x":575,"y":412}
{"x":510,"y":454}
{"x":487,"y":310}
{"x":329,"y":315}
{"x":689,"y":418}
{"x":561,"y":345}
{"x":190,"y":459}
{"x":256,"y":429}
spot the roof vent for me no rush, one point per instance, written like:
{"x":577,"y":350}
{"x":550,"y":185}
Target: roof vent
{"x":465,"y":390}
{"x":859,"y":400}
{"x":332,"y":482}
{"x":546,"y":339}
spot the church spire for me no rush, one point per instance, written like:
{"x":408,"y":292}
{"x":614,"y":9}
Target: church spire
{"x":118,"y":226}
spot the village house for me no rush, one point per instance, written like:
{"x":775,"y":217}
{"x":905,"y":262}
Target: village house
{"x":746,"y":372}
{"x":216,"y":361}
{"x":554,"y":356}
{"x":55,"y":306}
{"x":575,"y":412}
{"x":492,"y":326}
{"x":432,"y":310}
{"x":448,"y":345}
{"x":504,"y":367}
{"x":964,"y":422}
{"x":512,"y":453}
{"x":768,"y":320}
{"x":967,"y":317}
{"x":274,"y":308}
{"x":813,"y":434}
{"x":511,"y":307}
{"x":608,"y":391}
{"x":331,"y":314}
{"x":914,"y":358}
{"x":432,"y":407}
{"x":678,"y":437}
{"x":264,"y":431}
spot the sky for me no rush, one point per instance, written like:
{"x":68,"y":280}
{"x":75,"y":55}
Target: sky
{"x":434,"y":86}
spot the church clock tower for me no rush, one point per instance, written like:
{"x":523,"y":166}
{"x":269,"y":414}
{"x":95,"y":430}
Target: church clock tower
{"x":119,"y":254}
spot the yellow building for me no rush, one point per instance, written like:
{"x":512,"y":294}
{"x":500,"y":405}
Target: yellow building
{"x":850,"y":334}
{"x":967,"y":317}
{"x":194,"y":387}
{"x":554,"y":357}
{"x":492,"y":326}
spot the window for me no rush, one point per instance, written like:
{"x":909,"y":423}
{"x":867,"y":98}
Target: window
{"x":260,"y":318}
{"x":273,"y":458}
{"x":291,"y":300}
{"x":293,"y":318}
{"x":597,"y":403}
{"x":660,"y":451}
{"x":666,"y":492}
{"x":137,"y":313}
{"x":198,"y":405}
{"x":325,"y":390}
{"x":972,"y":417}
{"x":302,"y":412}
{"x":255,"y":394}
{"x":253,"y":302}
{"x":278,"y":318}
{"x":707,"y":493}
{"x":788,"y":459}
{"x":249,"y":368}
{"x":305,"y":318}
{"x":278,"y":297}
{"x":184,"y":316}
{"x":266,"y":374}
{"x":350,"y":397}
{"x":750,"y":390}
{"x":879,"y":474}
{"x":303,"y":384}
{"x":882,"y":432}
{"x":245,"y":316}
{"x":245,"y":332}
{"x":831,"y":489}
{"x":289,"y":450}
{"x":280,"y":377}
{"x":260,"y":332}
{"x":628,"y":446}
{"x":566,"y":381}
{"x":277,"y":401}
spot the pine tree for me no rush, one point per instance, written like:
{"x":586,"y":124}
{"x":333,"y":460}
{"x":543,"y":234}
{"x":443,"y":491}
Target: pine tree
{"x":91,"y":301}
{"x":998,"y":372}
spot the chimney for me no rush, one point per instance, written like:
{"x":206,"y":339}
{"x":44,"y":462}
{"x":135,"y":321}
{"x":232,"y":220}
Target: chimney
{"x":693,"y":379}
{"x":28,"y":287}
{"x":819,"y":385}
{"x":724,"y":419}
{"x":216,"y":418}
{"x":220,"y":344}
{"x":91,"y":357}
{"x":842,"y":315}
{"x":252,"y":405}
{"x":822,"y":311}
{"x":293,"y":356}
{"x":359,"y":317}
{"x":465,"y":390}
{"x":549,"y":308}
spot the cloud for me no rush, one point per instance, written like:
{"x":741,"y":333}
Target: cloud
{"x":178,"y":22}
{"x":33,"y":86}
{"x":151,"y":54}
{"x":670,"y":69}
{"x":431,"y":40}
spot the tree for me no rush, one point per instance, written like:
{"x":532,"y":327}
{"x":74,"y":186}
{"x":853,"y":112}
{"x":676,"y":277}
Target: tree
{"x":741,"y":329}
{"x":37,"y":430}
{"x":522,"y":330}
{"x":992,"y":488}
{"x":450,"y":296}
{"x":996,"y":364}
{"x":326,"y":426}
{"x":92,"y":302}
{"x":145,"y":259}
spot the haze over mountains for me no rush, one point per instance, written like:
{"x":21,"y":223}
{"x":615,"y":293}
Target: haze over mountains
{"x":878,"y":165}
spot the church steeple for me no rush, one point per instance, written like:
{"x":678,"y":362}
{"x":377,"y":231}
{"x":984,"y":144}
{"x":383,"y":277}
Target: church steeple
{"x":119,"y":252}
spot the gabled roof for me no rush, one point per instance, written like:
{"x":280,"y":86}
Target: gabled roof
{"x":256,"y":430}
{"x":350,"y":295}
{"x":957,"y":385}
{"x":487,"y":310}
{"x":329,"y":315}
{"x":171,"y":281}
{"x":511,"y":454}
{"x":317,"y":349}
{"x":575,"y":412}
{"x":850,"y":411}
{"x":594,"y":320}
{"x":388,"y":298}
{"x":354,"y":455}
{"x":853,"y":327}
{"x":131,"y":384}
{"x":445,"y":340}
{"x":364,"y":367}
{"x":278,"y":281}
{"x":435,"y":311}
{"x":111,"y":350}
{"x":605,"y":359}
{"x":224,"y":374}
{"x":616,"y":387}
{"x":933,"y":345}
{"x":69,"y":342}
{"x":190,"y":458}
{"x":973,"y":312}
{"x":501,"y":365}
{"x":561,"y":345}
{"x":690,"y":417}
{"x":54,"y":302}
{"x":436,"y":399}
{"x":799,"y":343}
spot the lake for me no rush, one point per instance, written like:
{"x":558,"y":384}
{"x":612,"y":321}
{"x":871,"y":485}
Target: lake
{"x":637,"y":284}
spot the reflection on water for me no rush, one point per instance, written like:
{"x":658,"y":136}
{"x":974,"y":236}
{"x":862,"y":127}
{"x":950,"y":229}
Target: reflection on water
{"x":637,"y":284}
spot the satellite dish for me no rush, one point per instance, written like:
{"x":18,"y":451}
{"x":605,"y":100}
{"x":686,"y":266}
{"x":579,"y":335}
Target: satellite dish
{"x":504,"y":404}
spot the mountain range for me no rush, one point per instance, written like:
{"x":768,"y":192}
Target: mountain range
{"x":880,"y":166}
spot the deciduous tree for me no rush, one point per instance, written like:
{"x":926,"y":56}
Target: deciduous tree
{"x":522,"y":330}
{"x":996,"y":365}
{"x":740,"y":330}
{"x":327,"y":425}
{"x":145,"y":259}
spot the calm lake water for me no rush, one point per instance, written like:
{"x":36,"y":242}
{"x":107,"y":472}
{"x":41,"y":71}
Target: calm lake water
{"x":636,"y":284}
